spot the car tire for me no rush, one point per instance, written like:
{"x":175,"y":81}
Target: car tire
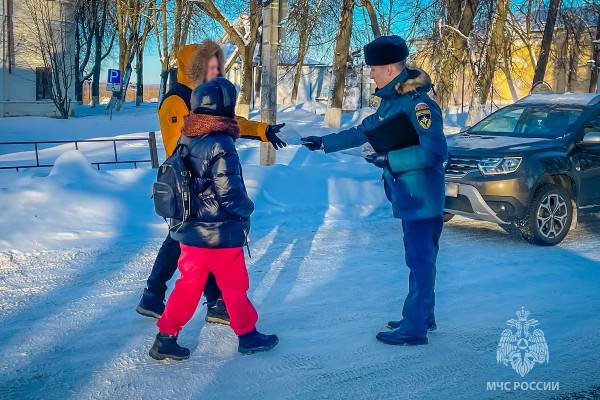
{"x":549,"y":216}
{"x":448,"y":216}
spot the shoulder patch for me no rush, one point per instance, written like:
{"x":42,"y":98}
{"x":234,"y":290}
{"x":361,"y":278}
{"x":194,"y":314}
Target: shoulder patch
{"x":421,"y":106}
{"x":174,"y":119}
{"x":423,"y":114}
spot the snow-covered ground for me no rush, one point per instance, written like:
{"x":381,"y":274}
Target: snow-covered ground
{"x":327,"y":273}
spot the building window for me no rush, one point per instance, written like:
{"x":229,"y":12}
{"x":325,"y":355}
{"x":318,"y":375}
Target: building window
{"x":43,"y":83}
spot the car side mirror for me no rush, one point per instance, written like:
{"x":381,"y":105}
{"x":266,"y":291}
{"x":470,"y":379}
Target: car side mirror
{"x":591,"y":139}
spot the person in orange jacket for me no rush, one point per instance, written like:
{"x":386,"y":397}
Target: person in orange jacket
{"x":196,"y":64}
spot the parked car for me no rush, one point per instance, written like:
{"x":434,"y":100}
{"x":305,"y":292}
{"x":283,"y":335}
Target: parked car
{"x":533,"y":166}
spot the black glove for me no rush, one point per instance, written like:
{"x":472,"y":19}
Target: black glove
{"x":378,"y":159}
{"x":312,"y":142}
{"x":271,"y":133}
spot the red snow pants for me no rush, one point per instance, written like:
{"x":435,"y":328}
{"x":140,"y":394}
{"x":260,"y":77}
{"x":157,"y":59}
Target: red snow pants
{"x":229,"y":268}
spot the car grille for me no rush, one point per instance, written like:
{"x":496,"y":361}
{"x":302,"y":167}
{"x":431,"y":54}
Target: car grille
{"x":460,"y":166}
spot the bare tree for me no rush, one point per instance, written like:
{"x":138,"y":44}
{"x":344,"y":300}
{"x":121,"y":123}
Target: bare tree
{"x":490,"y":53}
{"x":91,"y":45}
{"x":85,"y":21}
{"x":53,"y":33}
{"x":139,"y":58}
{"x":542,"y":62}
{"x":595,"y":6}
{"x":304,"y":16}
{"x":452,"y":45}
{"x":333,"y":114}
{"x":103,"y":44}
{"x":133,"y":22}
{"x":368,"y":5}
{"x":172,"y":21}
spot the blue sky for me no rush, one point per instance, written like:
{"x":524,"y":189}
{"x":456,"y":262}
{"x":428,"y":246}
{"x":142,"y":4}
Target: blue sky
{"x":152,"y":63}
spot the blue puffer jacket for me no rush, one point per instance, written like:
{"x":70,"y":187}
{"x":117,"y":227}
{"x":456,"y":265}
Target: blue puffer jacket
{"x":222,"y":205}
{"x":414,"y":183}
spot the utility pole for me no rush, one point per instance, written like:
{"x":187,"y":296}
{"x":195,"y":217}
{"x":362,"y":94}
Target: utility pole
{"x":273,"y":14}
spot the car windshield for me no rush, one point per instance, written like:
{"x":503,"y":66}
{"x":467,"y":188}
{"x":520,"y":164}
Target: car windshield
{"x":548,"y":121}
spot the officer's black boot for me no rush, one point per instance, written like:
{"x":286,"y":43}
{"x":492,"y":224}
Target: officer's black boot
{"x":166,"y":346}
{"x":151,"y":305}
{"x":400,"y":338}
{"x":432,"y":326}
{"x":216,"y":312}
{"x":256,"y":341}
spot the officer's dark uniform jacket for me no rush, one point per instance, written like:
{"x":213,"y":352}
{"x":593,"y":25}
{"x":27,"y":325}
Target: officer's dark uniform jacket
{"x":414,"y":181}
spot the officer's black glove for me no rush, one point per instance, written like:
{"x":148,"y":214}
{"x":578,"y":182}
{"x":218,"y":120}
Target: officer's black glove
{"x":271,"y":133}
{"x":312,"y":142}
{"x":378,"y":159}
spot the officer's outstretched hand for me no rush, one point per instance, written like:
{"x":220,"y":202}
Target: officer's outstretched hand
{"x":378,"y":159}
{"x":312,"y":142}
{"x":272,"y":137}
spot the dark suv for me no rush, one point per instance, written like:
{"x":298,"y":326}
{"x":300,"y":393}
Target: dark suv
{"x":533,"y":166}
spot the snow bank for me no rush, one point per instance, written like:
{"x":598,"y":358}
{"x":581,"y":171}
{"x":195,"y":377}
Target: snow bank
{"x":75,"y":205}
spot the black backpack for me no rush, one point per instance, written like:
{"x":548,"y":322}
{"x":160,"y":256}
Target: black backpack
{"x":173,"y":190}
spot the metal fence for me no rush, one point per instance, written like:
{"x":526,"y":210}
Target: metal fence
{"x":151,"y":139}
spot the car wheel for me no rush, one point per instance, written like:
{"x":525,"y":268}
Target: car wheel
{"x":448,"y":216}
{"x":549,"y":217}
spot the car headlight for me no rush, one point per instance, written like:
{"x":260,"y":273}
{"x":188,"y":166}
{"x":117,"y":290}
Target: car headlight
{"x":498,"y":166}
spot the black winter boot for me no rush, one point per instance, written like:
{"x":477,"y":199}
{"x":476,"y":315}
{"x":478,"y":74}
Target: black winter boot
{"x":151,"y":305}
{"x":256,"y":341}
{"x":396,"y":324}
{"x":216,"y":313}
{"x":401,"y":339}
{"x":166,"y":346}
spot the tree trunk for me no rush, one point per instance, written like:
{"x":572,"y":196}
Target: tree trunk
{"x":506,"y":67}
{"x":96,"y":69}
{"x":596,"y":57}
{"x":164,"y":78}
{"x":243,"y":104}
{"x":460,"y":16}
{"x":79,"y":90}
{"x":77,"y":63}
{"x":172,"y":77}
{"x":372,"y":17}
{"x":257,"y":81}
{"x":483,"y":80}
{"x":540,"y":68}
{"x":139,"y":72}
{"x":302,"y":48}
{"x":333,"y":114}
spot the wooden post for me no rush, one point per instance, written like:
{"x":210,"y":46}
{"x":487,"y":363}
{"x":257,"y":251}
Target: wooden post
{"x":268,"y":87}
{"x":153,"y":149}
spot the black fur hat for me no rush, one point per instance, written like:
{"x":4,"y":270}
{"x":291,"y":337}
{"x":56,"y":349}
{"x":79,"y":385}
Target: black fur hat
{"x":386,"y":50}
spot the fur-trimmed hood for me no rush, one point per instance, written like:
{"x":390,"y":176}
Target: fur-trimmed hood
{"x":417,"y":81}
{"x":192,"y":60}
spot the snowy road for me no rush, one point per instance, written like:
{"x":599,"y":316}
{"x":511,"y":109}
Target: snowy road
{"x":326,"y":285}
{"x":327,"y":273}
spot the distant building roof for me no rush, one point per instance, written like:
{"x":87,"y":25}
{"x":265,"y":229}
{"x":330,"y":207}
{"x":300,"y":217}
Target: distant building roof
{"x":582,"y":99}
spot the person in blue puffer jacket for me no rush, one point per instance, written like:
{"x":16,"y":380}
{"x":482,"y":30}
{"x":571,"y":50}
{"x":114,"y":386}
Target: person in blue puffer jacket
{"x":413,"y":175}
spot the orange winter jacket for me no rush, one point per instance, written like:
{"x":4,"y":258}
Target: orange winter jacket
{"x":176,"y":102}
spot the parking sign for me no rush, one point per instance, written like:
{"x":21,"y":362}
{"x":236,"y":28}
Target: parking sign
{"x":113,"y":81}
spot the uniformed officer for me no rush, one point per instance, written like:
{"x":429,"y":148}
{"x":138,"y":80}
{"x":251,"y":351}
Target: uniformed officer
{"x":413,"y":175}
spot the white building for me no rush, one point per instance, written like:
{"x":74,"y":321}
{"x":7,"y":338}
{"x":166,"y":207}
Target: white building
{"x":24,"y":79}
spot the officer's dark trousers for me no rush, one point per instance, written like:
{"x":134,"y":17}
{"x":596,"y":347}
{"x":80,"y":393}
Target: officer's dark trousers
{"x":421,"y":245}
{"x":165,"y":266}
